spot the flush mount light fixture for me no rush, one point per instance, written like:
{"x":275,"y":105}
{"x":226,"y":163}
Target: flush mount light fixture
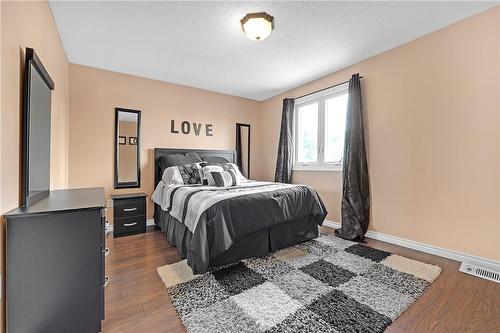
{"x":257,"y":26}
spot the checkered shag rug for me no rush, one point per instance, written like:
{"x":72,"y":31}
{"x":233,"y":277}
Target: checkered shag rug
{"x":323,"y":285}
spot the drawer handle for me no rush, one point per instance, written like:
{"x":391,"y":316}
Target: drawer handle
{"x":106,"y":280}
{"x":129,"y":224}
{"x":129,"y":209}
{"x":106,"y":252}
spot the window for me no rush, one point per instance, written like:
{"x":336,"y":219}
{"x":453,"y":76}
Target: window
{"x":319,"y":128}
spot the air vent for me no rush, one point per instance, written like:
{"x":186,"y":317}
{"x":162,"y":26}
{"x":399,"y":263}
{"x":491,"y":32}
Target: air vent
{"x":487,"y":274}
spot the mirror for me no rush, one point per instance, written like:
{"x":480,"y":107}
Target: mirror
{"x":243,"y":148}
{"x":127,"y":148}
{"x":38,"y":88}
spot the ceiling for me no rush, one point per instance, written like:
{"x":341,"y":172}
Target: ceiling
{"x":200,"y":44}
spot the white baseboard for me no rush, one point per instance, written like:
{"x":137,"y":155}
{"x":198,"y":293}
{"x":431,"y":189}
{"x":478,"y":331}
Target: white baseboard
{"x":331,"y":224}
{"x":438,"y":251}
{"x":149,"y":222}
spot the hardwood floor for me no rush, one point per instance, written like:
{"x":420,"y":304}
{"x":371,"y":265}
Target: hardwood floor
{"x":136,"y":300}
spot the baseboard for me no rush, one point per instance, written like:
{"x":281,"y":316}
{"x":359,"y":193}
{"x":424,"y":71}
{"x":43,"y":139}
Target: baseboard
{"x":331,"y":224}
{"x":438,"y":251}
{"x":149,"y":222}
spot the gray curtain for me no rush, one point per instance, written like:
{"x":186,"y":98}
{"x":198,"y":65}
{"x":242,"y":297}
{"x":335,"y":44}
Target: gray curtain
{"x":284,"y":161}
{"x":356,"y":190}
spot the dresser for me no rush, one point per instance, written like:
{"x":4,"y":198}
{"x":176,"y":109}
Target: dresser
{"x":129,"y":214}
{"x":55,"y":263}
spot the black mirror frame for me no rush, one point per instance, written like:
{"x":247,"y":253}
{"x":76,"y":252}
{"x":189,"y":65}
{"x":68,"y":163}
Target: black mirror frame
{"x":238,"y":144}
{"x":30,"y":59}
{"x":138,"y":182}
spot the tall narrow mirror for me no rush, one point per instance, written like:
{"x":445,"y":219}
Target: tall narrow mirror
{"x":243,"y":148}
{"x":127,"y":148}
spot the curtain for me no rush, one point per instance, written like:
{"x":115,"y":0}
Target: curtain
{"x":284,"y":161}
{"x":356,"y":190}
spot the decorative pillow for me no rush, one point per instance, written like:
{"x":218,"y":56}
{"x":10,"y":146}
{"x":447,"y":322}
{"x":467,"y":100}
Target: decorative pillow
{"x":206,"y":170}
{"x":172,"y":176}
{"x":190,"y":173}
{"x":224,"y":178}
{"x":182,"y":174}
{"x":209,"y":167}
{"x":239,"y":176}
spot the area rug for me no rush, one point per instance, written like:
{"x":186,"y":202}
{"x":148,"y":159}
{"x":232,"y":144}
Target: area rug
{"x":324,"y":285}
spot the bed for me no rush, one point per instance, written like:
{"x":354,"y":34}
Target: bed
{"x":211,"y":227}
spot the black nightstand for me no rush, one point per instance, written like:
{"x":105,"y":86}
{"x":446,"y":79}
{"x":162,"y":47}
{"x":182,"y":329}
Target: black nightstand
{"x":129,"y":214}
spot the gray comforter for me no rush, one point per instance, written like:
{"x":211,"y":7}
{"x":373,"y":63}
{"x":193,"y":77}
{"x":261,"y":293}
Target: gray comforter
{"x":230,"y":214}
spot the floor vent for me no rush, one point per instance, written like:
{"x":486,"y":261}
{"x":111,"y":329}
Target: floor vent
{"x":487,"y":274}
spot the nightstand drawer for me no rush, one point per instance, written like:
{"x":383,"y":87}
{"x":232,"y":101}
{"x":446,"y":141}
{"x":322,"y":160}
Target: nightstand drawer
{"x":129,"y":225}
{"x":129,"y":207}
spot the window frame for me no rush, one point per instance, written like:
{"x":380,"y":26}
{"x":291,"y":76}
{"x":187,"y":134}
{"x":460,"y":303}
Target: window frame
{"x":320,"y":98}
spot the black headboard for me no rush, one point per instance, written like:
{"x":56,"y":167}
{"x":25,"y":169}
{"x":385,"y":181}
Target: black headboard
{"x":228,"y":155}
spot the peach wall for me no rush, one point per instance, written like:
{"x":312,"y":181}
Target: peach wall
{"x":29,"y":24}
{"x":42,"y":35}
{"x":432,"y":111}
{"x":94,"y":94}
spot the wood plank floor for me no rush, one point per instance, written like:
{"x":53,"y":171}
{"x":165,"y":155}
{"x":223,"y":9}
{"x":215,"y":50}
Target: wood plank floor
{"x":136,"y":300}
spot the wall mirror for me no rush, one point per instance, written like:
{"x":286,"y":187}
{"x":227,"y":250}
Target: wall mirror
{"x":243,"y":148}
{"x":38,"y":88}
{"x":127,"y":148}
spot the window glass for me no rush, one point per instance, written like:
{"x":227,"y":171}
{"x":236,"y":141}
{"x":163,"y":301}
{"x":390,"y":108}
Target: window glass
{"x":335,"y":116}
{"x":307,"y":133}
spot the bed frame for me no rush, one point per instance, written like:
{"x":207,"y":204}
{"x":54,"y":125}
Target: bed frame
{"x":255,"y":245}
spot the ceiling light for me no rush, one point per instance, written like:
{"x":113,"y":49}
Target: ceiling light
{"x":257,"y":26}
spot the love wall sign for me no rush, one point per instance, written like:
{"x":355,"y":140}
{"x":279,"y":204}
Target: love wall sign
{"x":186,"y":127}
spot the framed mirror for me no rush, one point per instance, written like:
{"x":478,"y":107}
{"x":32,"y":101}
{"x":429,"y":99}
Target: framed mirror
{"x":127,"y":148}
{"x":37,"y":97}
{"x":243,"y":148}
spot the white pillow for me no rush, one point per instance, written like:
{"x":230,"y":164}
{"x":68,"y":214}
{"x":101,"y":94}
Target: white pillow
{"x":172,"y":176}
{"x":239,"y":176}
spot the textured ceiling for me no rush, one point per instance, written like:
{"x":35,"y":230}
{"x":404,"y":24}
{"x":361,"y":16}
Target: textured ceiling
{"x":200,"y":44}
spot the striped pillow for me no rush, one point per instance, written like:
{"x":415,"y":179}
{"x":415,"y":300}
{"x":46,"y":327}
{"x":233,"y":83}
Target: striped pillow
{"x":206,"y":174}
{"x":224,"y":178}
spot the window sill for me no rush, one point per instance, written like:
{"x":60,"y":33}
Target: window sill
{"x":336,"y":168}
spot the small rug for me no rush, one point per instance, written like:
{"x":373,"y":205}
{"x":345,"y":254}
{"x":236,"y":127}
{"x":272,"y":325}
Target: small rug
{"x":324,"y":285}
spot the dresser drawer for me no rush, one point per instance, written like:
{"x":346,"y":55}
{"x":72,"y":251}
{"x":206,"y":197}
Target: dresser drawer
{"x":129,"y":226}
{"x":129,"y":207}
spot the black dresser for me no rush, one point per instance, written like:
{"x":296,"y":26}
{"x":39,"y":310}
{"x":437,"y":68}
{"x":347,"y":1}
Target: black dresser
{"x":129,"y":214}
{"x":55,"y":263}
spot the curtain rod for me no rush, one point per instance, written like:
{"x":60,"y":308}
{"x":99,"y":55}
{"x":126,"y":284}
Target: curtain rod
{"x":317,"y":91}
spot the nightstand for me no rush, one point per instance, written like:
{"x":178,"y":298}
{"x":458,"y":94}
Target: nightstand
{"x":129,"y":214}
